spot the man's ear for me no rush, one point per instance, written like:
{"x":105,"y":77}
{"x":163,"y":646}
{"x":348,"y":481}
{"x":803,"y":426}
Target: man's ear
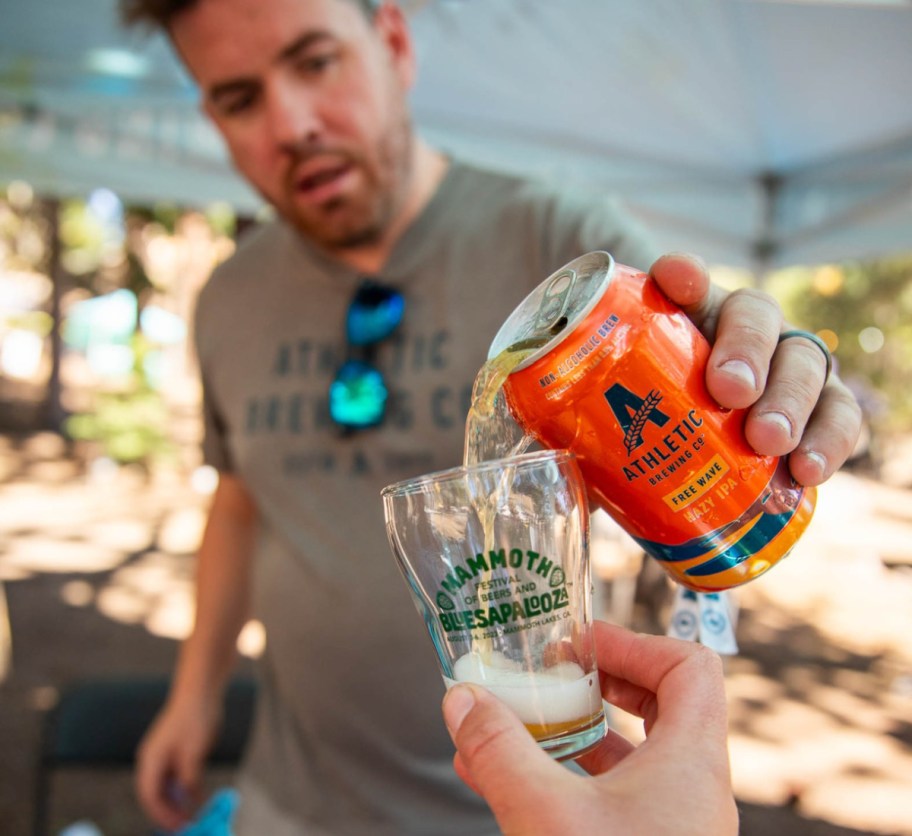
{"x":393,"y":28}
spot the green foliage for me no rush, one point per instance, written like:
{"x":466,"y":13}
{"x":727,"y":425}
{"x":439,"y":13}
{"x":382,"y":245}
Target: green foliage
{"x":222,"y":218}
{"x":82,"y":237}
{"x":166,"y":215}
{"x":868,"y":309}
{"x":38,"y":322}
{"x":130,"y":424}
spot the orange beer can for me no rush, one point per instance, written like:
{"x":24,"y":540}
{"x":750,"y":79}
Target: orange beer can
{"x":617,"y":375}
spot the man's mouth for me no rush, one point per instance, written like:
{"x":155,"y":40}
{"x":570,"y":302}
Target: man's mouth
{"x":318,"y":183}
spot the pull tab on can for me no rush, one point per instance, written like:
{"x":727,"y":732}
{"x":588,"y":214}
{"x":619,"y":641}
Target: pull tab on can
{"x":552,"y":315}
{"x":556,"y":304}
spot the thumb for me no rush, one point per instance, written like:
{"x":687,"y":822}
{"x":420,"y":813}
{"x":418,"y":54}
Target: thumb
{"x":496,"y":755}
{"x":683,"y":278}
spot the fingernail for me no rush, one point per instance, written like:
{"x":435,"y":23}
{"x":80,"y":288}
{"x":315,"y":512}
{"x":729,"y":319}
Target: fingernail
{"x":780,"y":420}
{"x":457,"y":702}
{"x":817,"y":460}
{"x":740,"y":370}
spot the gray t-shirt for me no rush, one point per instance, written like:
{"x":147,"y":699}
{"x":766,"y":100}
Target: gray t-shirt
{"x":349,"y":737}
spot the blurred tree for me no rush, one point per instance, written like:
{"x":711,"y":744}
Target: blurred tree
{"x":129,"y":425}
{"x":864,"y":312}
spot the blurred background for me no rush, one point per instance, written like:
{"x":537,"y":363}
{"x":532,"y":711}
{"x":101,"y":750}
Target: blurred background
{"x":772,"y":138}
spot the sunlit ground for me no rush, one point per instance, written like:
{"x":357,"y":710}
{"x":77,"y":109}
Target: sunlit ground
{"x":820,"y":695}
{"x":127,"y":536}
{"x":829,"y":722}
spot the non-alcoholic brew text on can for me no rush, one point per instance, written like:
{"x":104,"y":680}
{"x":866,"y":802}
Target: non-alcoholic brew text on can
{"x":621,"y":383}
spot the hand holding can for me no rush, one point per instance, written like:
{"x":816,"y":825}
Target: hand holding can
{"x":619,"y":379}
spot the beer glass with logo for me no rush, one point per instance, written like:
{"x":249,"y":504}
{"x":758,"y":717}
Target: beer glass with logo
{"x":496,"y":557}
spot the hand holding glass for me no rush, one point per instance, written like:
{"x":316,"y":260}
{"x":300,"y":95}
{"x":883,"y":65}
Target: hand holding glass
{"x":496,"y":557}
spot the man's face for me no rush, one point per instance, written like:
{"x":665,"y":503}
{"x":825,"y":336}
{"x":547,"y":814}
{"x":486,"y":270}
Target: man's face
{"x":310,"y":98}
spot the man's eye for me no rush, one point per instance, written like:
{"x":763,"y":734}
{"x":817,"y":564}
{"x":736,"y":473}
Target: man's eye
{"x":316,"y":64}
{"x":237,"y":104}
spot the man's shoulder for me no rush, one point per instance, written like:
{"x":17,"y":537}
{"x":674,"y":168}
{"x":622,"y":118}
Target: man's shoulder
{"x":566,"y":217}
{"x":529,"y":194}
{"x":229,"y":288}
{"x":474,"y":177}
{"x":264,"y":239}
{"x":257,"y":250}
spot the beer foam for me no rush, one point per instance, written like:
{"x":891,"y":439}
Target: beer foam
{"x":563,"y":693}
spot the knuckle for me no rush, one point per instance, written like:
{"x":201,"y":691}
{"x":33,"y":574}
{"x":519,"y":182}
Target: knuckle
{"x":796,"y":396}
{"x":709,"y":659}
{"x":811,"y":356}
{"x":800,"y":391}
{"x":845,"y":417}
{"x":848,"y":410}
{"x":843,"y":397}
{"x":752,"y":320}
{"x":698,"y":654}
{"x":800,"y":367}
{"x":754,"y":295}
{"x":751,"y":335}
{"x":760,"y":303}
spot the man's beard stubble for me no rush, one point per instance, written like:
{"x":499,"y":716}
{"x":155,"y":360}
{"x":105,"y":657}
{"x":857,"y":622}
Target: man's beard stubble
{"x":362,"y":220}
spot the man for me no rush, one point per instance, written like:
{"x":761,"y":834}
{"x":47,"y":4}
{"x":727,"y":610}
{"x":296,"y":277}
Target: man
{"x":310,"y":98}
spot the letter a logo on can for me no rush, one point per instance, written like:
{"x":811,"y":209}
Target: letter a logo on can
{"x":633,"y":412}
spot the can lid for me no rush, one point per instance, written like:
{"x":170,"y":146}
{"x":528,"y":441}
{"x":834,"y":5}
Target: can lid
{"x":555,"y":306}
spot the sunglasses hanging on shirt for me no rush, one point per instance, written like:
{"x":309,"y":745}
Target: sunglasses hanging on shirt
{"x":358,"y":393}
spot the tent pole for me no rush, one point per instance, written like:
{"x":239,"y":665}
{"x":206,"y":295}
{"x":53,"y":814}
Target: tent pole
{"x":765,"y":245}
{"x":53,"y":408}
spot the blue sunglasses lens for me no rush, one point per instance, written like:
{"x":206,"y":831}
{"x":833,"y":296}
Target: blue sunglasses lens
{"x":374,"y":314}
{"x":357,"y":396}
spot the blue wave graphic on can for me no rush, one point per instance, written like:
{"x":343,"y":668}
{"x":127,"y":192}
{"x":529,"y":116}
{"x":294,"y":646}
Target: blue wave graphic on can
{"x":764,"y":528}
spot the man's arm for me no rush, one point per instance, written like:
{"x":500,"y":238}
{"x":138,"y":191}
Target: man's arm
{"x":170,"y":758}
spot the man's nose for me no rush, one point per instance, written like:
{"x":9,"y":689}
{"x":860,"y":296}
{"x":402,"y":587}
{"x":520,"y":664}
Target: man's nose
{"x":293,"y":117}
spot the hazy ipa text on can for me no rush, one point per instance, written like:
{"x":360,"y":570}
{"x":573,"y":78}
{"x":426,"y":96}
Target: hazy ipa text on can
{"x":621,"y":383}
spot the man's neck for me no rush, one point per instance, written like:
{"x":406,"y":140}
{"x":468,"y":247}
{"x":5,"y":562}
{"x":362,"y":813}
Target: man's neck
{"x":430,"y":167}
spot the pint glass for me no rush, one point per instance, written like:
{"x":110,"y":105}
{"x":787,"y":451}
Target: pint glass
{"x":496,"y":557}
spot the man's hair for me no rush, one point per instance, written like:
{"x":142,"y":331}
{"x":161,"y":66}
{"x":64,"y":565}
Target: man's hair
{"x":162,"y":12}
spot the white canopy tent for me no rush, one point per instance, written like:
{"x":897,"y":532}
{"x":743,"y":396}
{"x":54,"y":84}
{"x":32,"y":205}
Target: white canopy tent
{"x":755,"y":132}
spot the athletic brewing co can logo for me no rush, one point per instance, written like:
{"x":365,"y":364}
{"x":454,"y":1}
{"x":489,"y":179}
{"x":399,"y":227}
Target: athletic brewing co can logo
{"x":633,"y":412}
